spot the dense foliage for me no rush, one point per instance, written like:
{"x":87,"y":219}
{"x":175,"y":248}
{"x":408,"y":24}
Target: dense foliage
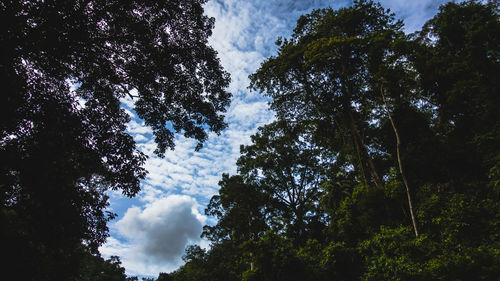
{"x":384,"y":162}
{"x":64,"y":67}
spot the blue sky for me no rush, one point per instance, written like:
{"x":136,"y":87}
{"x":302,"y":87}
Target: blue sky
{"x":152,"y":229}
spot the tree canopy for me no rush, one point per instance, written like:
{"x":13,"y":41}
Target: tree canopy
{"x":383,"y":163}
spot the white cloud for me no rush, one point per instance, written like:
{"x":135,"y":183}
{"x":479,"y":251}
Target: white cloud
{"x":140,"y":138}
{"x":134,"y":127}
{"x":156,"y":235}
{"x":128,"y":101}
{"x":245,"y":32}
{"x":246,"y":115}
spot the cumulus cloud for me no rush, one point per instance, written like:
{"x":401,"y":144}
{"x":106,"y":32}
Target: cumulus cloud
{"x":155,"y":236}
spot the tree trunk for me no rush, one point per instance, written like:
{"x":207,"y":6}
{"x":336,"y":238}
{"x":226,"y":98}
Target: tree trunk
{"x":360,"y":160}
{"x":358,"y":139}
{"x":400,"y":164}
{"x":252,"y":266}
{"x":362,"y":148}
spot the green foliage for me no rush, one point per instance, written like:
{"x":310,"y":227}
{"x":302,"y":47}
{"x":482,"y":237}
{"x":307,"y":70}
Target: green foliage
{"x":364,"y":112}
{"x":358,"y":102}
{"x":95,"y":268}
{"x":223,"y":262}
{"x":278,"y":185}
{"x":458,"y":62}
{"x":327,"y":73}
{"x":276,"y":259}
{"x":395,"y":254}
{"x":240,"y":208}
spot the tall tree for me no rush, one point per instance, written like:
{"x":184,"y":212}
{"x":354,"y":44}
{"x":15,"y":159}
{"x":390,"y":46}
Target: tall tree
{"x":240,"y":208}
{"x":290,"y":167}
{"x":322,"y":72}
{"x":277,"y":188}
{"x":109,"y":48}
{"x":329,"y":70}
{"x":61,"y":148}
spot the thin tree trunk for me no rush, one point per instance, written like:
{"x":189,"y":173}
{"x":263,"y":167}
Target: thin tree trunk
{"x":360,"y":160}
{"x":358,"y":139}
{"x":252,"y":266}
{"x":361,"y":144}
{"x":400,"y":164}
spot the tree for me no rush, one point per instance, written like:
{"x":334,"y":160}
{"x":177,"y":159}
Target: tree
{"x":277,"y":187}
{"x":109,"y":48}
{"x":290,"y":168}
{"x":61,"y":148}
{"x":322,"y":72}
{"x":240,"y":208}
{"x":165,"y":277}
{"x":458,"y":60}
{"x":94,"y":267}
{"x":220,"y":263}
{"x":329,"y":71}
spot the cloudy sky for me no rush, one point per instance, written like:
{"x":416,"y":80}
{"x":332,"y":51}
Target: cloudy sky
{"x":152,"y":229}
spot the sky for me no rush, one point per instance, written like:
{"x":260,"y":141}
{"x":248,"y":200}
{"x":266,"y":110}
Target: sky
{"x":152,"y":230}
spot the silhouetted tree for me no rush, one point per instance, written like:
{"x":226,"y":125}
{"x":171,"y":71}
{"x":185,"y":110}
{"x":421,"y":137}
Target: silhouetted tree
{"x":65,"y":65}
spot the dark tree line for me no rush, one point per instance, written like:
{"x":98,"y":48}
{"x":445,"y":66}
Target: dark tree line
{"x":384,"y":161}
{"x":64,"y":66}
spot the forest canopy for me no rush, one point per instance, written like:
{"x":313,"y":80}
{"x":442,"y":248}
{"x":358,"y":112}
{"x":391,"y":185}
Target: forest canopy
{"x":383,"y":162}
